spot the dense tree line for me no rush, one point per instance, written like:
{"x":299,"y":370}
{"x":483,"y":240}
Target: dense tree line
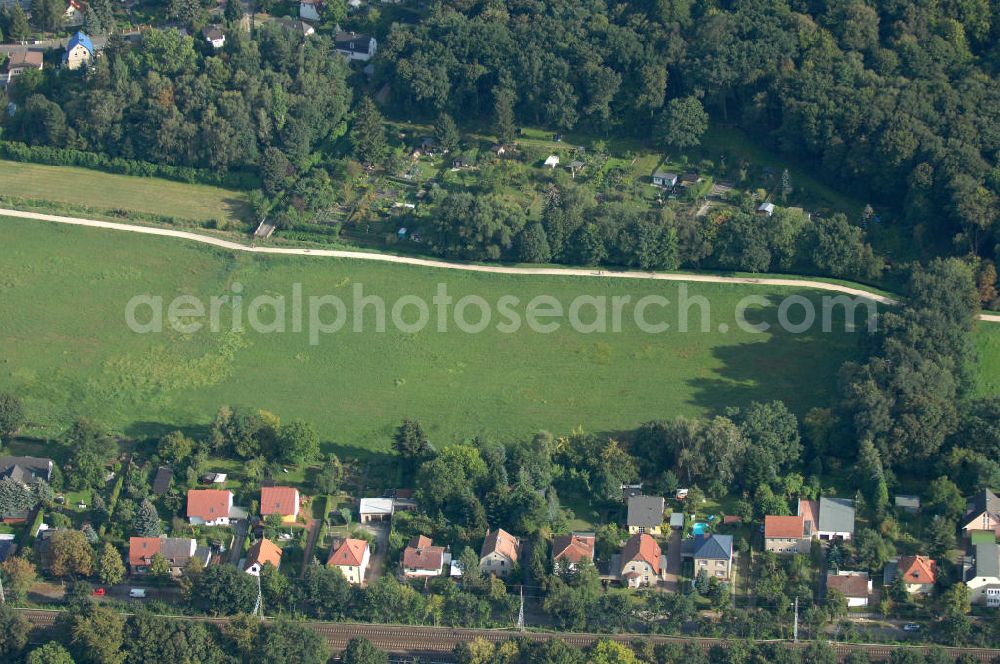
{"x":900,"y":101}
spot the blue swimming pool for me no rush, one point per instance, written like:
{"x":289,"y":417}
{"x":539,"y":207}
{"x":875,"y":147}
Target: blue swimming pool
{"x":699,"y":528}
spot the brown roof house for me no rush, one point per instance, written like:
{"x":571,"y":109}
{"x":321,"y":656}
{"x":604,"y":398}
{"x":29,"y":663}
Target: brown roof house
{"x":917,"y":572}
{"x":280,"y":500}
{"x":352,"y":557}
{"x":178,"y":552}
{"x":263,"y":552}
{"x":18,"y":62}
{"x":499,"y":553}
{"x":209,"y":507}
{"x":639,"y":563}
{"x":855,"y":586}
{"x":787,"y":534}
{"x":569,"y":550}
{"x":421,"y":558}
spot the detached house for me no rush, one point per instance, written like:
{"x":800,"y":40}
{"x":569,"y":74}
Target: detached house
{"x":640,"y":563}
{"x":984,"y":578}
{"x":209,"y":507}
{"x":499,"y":553}
{"x":79,"y":51}
{"x":664,"y":179}
{"x":711,"y":553}
{"x":73,"y":16}
{"x":421,"y":558}
{"x":280,"y":500}
{"x":918,"y":573}
{"x":569,"y":550}
{"x":20,"y":61}
{"x":855,"y":586}
{"x":833,"y":517}
{"x":787,"y":534}
{"x":214,"y":36}
{"x":178,"y":552}
{"x":263,"y":552}
{"x":645,"y":515}
{"x":983,"y":513}
{"x":355,"y":46}
{"x":310,"y":10}
{"x":352,"y":557}
{"x":24,"y":470}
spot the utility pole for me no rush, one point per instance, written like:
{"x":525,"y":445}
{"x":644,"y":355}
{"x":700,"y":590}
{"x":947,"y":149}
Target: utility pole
{"x":795,"y":629}
{"x":258,"y":607}
{"x":520,"y":613}
{"x":3,"y":598}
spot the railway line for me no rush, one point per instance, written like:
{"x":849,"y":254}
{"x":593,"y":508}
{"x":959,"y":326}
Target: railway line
{"x":439,"y":642}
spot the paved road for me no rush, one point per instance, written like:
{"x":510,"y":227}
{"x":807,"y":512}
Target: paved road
{"x":494,"y":269}
{"x":440,"y":641}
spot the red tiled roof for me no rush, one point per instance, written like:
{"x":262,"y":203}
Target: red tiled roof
{"x":350,"y":554}
{"x":208,"y":504}
{"x":809,"y":510}
{"x":264,"y":551}
{"x":281,"y":500}
{"x":783,"y":527}
{"x":142,"y":549}
{"x":917,"y":570}
{"x":850,"y":585}
{"x":573,"y":548}
{"x":502,"y":542}
{"x":421,"y":555}
{"x":642,"y":547}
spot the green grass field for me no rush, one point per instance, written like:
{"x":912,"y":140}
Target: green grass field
{"x":68,"y":352}
{"x":105,"y":191}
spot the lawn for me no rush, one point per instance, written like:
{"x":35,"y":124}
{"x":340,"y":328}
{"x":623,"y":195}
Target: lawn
{"x":107,"y":192}
{"x":68,"y":351}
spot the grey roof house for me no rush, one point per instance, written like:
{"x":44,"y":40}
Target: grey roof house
{"x":645,"y":514}
{"x":26,"y":469}
{"x":161,"y":483}
{"x":711,"y":553}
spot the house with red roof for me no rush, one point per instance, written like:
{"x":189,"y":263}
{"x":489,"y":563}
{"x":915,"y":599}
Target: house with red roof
{"x":352,"y":557}
{"x":209,"y":507}
{"x":177,"y":551}
{"x":917,"y":572}
{"x":263,"y":552}
{"x":421,"y":558}
{"x":856,"y":587}
{"x":280,"y":500}
{"x":639,"y":562}
{"x":569,"y":550}
{"x":499,"y":553}
{"x":787,"y":534}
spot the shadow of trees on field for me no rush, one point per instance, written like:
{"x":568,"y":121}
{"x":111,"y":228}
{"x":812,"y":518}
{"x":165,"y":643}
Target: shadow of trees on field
{"x":799,"y":368}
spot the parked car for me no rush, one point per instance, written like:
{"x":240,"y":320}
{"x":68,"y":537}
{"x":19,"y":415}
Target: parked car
{"x":99,"y":592}
{"x":137,"y":593}
{"x":911,"y":627}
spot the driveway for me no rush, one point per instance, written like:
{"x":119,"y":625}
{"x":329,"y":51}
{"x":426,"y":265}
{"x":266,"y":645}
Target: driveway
{"x":376,"y":567}
{"x":673,"y":572}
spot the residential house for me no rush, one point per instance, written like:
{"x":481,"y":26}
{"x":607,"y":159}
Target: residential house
{"x":664,"y":179}
{"x":262,"y":552}
{"x":917,"y":572}
{"x":711,"y":553}
{"x":640,"y":562}
{"x":833,"y":517}
{"x":569,"y":550}
{"x":310,"y":10}
{"x":355,"y":46}
{"x":214,"y":35}
{"x":280,"y":500}
{"x":422,"y":559}
{"x":375,"y":509}
{"x":178,"y":552}
{"x":765,"y":209}
{"x":161,"y":482}
{"x":787,"y":534}
{"x":19,"y":62}
{"x":645,"y":515}
{"x":297,"y":26}
{"x":352,"y":557}
{"x":983,"y":513}
{"x":984,"y":578}
{"x":209,"y":507}
{"x":26,"y":469}
{"x":855,"y":586}
{"x":552,"y":161}
{"x":73,"y":16}
{"x":499,"y":553}
{"x":42,"y":547}
{"x":689,"y":179}
{"x":79,"y":51}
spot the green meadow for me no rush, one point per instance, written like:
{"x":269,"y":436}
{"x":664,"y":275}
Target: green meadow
{"x":66,"y":347}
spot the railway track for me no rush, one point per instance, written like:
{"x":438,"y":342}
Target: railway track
{"x":439,"y":642}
